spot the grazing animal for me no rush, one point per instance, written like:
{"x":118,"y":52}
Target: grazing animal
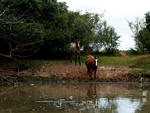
{"x":74,"y":49}
{"x":91,"y":64}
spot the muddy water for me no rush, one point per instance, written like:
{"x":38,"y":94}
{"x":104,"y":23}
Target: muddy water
{"x":75,"y":98}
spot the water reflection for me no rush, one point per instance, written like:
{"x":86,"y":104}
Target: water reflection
{"x":91,"y":97}
{"x":75,"y":98}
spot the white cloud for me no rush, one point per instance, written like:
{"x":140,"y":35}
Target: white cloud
{"x":117,"y":12}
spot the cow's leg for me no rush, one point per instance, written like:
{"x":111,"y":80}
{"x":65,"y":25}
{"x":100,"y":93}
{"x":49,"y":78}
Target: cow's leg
{"x":92,"y":73}
{"x":79,"y":60}
{"x":76,"y":59}
{"x":89,"y":71}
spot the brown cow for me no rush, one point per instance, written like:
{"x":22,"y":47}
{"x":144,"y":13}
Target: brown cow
{"x":91,"y":64}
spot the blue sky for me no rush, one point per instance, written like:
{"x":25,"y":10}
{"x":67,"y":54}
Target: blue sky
{"x":116,"y":12}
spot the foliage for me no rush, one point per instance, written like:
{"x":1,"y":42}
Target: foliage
{"x":19,"y":35}
{"x":147,"y":18}
{"x":46,"y":27}
{"x":136,"y":26}
{"x":107,"y":38}
{"x":144,"y":38}
{"x":141,"y":33}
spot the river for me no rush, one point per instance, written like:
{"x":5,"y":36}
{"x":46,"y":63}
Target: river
{"x":75,"y":98}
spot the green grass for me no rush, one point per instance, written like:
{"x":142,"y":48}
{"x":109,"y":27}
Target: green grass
{"x":119,"y":60}
{"x":143,"y":63}
{"x":130,"y":61}
{"x":138,"y":61}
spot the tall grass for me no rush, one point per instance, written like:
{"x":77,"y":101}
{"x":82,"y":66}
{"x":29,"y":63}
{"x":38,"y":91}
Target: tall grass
{"x":141,"y":61}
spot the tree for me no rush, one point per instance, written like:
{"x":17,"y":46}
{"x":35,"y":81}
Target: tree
{"x":18,"y":37}
{"x":54,"y":18}
{"x":47,"y":27}
{"x":106,"y":38}
{"x":136,"y":26}
{"x":147,"y":18}
{"x":144,"y":39}
{"x":141,"y":31}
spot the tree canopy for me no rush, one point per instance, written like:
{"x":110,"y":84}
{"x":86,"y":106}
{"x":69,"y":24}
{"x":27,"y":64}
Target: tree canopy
{"x":141,"y":33}
{"x":46,"y":27}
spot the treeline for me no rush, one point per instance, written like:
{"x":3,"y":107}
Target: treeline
{"x":44,"y":28}
{"x":141,"y":34}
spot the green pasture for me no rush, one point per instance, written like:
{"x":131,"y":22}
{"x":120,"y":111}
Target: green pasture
{"x":138,"y":61}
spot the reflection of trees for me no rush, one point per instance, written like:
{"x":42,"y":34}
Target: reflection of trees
{"x":91,"y":103}
{"x":95,"y":104}
{"x":108,"y":105}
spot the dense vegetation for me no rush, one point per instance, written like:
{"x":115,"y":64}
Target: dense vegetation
{"x":45,"y":27}
{"x":141,"y":33}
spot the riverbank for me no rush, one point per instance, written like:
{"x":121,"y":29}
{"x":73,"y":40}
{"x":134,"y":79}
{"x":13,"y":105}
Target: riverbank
{"x":72,"y":72}
{"x":110,"y":69}
{"x":68,"y":72}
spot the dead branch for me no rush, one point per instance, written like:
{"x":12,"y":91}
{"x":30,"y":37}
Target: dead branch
{"x":2,"y":13}
{"x":33,"y":52}
{"x":9,"y":56}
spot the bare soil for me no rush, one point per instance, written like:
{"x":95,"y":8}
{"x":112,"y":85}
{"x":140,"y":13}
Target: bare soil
{"x":70,"y":71}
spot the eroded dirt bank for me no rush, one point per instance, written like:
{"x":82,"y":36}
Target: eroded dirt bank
{"x":72,"y":72}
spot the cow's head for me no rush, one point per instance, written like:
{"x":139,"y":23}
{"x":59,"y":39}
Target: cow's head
{"x":96,"y":61}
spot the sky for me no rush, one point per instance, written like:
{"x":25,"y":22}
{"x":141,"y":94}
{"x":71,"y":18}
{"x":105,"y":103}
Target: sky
{"x":116,"y":13}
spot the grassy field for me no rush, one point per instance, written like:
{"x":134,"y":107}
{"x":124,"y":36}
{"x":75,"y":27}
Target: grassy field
{"x":130,"y":61}
{"x":138,"y":61}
